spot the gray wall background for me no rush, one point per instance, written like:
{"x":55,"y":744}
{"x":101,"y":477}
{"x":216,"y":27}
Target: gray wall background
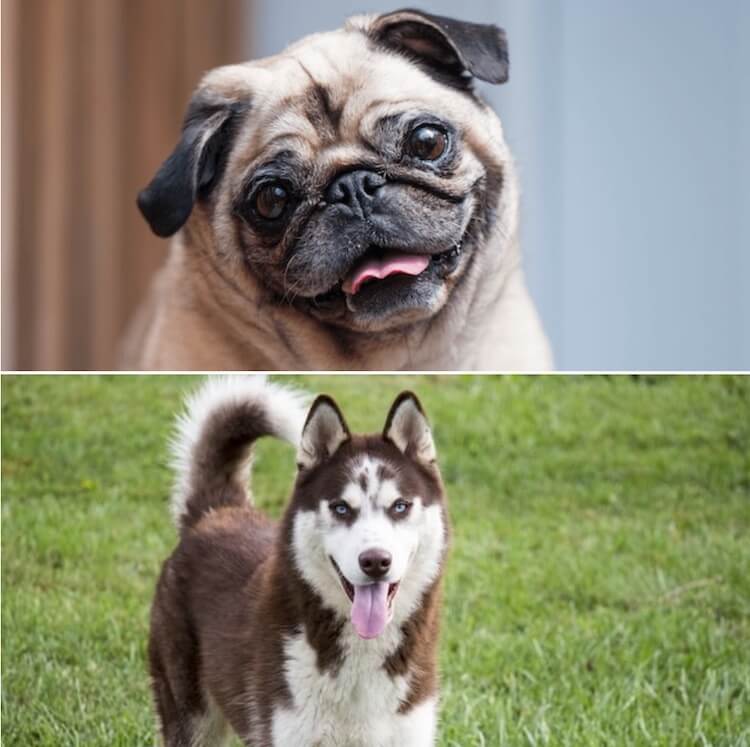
{"x":630,"y":122}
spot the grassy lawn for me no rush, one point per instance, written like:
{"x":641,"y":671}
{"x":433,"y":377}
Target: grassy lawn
{"x":598,"y":591}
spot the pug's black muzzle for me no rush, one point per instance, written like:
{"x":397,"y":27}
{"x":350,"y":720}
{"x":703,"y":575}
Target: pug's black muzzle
{"x":363,"y":214}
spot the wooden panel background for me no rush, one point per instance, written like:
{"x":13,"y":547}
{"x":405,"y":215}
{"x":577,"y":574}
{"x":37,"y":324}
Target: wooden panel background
{"x":93,"y":95}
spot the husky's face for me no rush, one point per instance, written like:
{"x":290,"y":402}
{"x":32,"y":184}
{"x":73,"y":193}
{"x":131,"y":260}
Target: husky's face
{"x":368,"y":519}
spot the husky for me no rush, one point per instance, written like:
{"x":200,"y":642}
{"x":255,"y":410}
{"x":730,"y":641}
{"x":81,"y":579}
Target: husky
{"x":319,"y":630}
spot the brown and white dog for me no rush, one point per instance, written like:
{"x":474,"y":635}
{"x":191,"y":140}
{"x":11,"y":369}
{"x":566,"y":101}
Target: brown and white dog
{"x":320,"y":630}
{"x":350,"y":203}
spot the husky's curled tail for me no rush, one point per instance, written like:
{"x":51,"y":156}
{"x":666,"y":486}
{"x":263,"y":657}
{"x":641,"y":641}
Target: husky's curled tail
{"x":212,"y":446}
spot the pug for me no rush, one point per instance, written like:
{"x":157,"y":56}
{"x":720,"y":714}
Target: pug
{"x":350,"y":203}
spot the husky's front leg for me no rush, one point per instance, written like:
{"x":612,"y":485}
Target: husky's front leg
{"x":417,"y":727}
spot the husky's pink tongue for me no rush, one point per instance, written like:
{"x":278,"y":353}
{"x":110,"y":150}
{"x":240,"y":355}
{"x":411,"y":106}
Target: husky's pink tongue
{"x":392,"y":263}
{"x":370,"y":609}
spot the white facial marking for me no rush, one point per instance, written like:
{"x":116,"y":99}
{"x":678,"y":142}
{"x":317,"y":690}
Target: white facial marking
{"x":416,"y":542}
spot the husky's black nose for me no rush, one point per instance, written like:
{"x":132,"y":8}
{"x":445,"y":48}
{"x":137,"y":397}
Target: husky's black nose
{"x":375,"y":563}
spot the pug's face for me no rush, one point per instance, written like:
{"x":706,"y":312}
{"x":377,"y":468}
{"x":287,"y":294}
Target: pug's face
{"x":355,"y":176}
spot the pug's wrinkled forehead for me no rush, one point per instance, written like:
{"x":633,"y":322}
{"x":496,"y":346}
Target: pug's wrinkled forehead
{"x":339,"y":88}
{"x":355,"y":164}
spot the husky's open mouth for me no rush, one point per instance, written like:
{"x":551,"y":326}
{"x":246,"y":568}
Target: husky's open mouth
{"x":372,"y":604}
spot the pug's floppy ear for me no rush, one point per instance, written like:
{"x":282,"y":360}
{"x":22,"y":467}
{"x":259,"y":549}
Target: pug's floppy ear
{"x":453,"y":48}
{"x":194,"y":165}
{"x":324,"y":431}
{"x":408,"y":429}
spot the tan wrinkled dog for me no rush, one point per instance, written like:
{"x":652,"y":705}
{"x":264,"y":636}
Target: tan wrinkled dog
{"x":348,"y":204}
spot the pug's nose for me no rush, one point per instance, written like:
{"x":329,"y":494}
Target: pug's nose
{"x":375,"y":563}
{"x":355,"y":189}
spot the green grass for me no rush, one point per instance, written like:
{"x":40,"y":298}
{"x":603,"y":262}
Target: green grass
{"x":597,"y":593}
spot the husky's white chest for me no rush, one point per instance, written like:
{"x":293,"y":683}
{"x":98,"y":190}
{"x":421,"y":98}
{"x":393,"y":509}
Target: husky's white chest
{"x":356,"y":707}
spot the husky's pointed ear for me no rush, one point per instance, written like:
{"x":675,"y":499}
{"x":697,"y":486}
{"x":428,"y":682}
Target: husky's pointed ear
{"x":195,"y":164}
{"x":453,"y":49}
{"x":325,"y":430}
{"x":407,"y":428}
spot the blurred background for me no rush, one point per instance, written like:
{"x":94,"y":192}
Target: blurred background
{"x":630,"y":123}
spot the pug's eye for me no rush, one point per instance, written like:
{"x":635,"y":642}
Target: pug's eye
{"x":427,"y":143}
{"x":341,"y":509}
{"x":271,"y":200}
{"x":400,"y":508}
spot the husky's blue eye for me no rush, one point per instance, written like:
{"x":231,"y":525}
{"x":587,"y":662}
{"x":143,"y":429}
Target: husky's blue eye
{"x":400,"y":507}
{"x":340,"y":508}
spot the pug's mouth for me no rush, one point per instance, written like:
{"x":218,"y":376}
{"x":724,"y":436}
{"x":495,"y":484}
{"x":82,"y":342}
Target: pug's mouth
{"x":382,"y":269}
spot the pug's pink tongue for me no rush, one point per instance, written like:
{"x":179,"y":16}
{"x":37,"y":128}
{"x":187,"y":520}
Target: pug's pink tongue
{"x":392,"y":263}
{"x":370,"y":609}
